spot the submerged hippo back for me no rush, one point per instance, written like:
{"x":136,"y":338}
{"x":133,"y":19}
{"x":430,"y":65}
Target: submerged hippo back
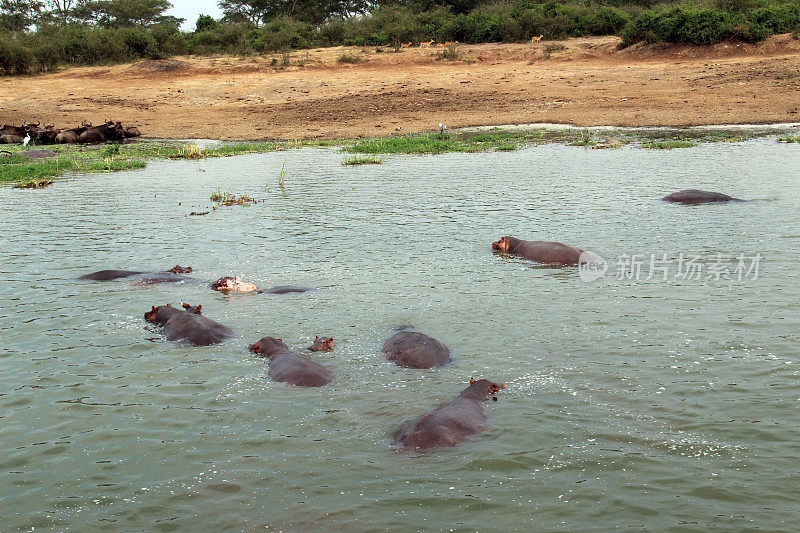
{"x":296,"y":369}
{"x":286,"y":289}
{"x":444,"y":426}
{"x":694,"y":196}
{"x":160,"y":277}
{"x":196,"y":329}
{"x":554,"y":253}
{"x":108,"y":275}
{"x":415,"y":350}
{"x":452,"y":422}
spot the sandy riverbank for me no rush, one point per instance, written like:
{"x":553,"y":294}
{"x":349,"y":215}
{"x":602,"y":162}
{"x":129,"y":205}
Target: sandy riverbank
{"x":588,"y":82}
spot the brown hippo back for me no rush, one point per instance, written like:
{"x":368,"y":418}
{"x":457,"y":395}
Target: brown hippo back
{"x":451,"y":423}
{"x":290,"y":367}
{"x":415,"y":350}
{"x":548,"y":252}
{"x":188,"y":325}
{"x":694,"y":196}
{"x":108,"y":275}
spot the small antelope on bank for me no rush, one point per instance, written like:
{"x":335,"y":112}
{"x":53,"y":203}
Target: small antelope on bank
{"x":405,"y":45}
{"x":536,"y":38}
{"x":426,"y":44}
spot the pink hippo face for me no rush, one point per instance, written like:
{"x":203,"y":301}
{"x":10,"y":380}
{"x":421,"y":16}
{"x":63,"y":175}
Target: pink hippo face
{"x":504,"y":244}
{"x":232,"y":284}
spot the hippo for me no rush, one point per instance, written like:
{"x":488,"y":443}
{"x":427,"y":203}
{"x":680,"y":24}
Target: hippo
{"x":452,"y":422}
{"x":38,"y":153}
{"x":693,"y":196}
{"x":415,"y":350}
{"x":285,"y":289}
{"x":188,"y":324}
{"x":108,"y":275}
{"x":160,"y":277}
{"x":172,"y":275}
{"x":548,"y":252}
{"x":232,"y":284}
{"x":289,"y":367}
{"x":321,"y":344}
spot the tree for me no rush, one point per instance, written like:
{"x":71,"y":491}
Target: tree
{"x":311,"y":11}
{"x":125,"y":13}
{"x":19,"y":15}
{"x":61,"y":8}
{"x":254,"y":11}
{"x":205,"y":22}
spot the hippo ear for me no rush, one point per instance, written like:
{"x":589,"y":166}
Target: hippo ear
{"x":472,"y":381}
{"x":185,"y":305}
{"x":169,"y":305}
{"x":153,"y":310}
{"x":279,"y":340}
{"x":316,"y":338}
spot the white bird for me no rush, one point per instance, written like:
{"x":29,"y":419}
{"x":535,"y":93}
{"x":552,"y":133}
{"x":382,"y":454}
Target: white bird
{"x":442,"y":127}
{"x":26,"y":140}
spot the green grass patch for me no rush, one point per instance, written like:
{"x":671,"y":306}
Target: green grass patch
{"x":506,"y":147}
{"x":436,"y":143}
{"x":362,"y":160}
{"x":116,"y":157}
{"x":25,"y":170}
{"x":668,"y":145}
{"x":790,"y":139}
{"x":416,"y":144}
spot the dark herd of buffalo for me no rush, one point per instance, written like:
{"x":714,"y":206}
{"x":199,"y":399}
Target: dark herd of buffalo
{"x":85,"y":134}
{"x":446,"y":425}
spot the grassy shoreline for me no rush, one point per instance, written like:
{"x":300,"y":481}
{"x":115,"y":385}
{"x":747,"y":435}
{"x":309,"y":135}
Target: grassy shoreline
{"x":16,"y":168}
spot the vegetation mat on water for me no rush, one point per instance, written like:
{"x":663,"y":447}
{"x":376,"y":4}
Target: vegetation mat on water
{"x":360,"y":160}
{"x":114,"y":157}
{"x":227,"y":199}
{"x":669,"y":145}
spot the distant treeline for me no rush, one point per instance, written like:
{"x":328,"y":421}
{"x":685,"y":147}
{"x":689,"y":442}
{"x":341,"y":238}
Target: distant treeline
{"x":41,"y":44}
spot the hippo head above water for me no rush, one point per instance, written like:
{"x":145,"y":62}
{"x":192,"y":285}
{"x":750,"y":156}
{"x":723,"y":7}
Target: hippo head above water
{"x":160,"y":314}
{"x":269,"y":346}
{"x":232,"y":284}
{"x":177,"y":269}
{"x":503,"y":245}
{"x":321,"y":344}
{"x":196,"y":309}
{"x":481,"y":389}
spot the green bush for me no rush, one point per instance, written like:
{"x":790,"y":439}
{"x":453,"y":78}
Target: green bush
{"x":682,"y":24}
{"x":15,"y":58}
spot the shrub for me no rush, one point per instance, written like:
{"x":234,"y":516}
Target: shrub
{"x":682,"y":24}
{"x":349,"y":58}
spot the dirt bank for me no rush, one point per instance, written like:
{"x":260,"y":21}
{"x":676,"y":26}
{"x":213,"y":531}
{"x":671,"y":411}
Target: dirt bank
{"x":587,"y":82}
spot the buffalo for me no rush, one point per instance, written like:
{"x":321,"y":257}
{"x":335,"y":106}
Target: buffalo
{"x":49,"y":134}
{"x":110,"y":131}
{"x":11,"y":134}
